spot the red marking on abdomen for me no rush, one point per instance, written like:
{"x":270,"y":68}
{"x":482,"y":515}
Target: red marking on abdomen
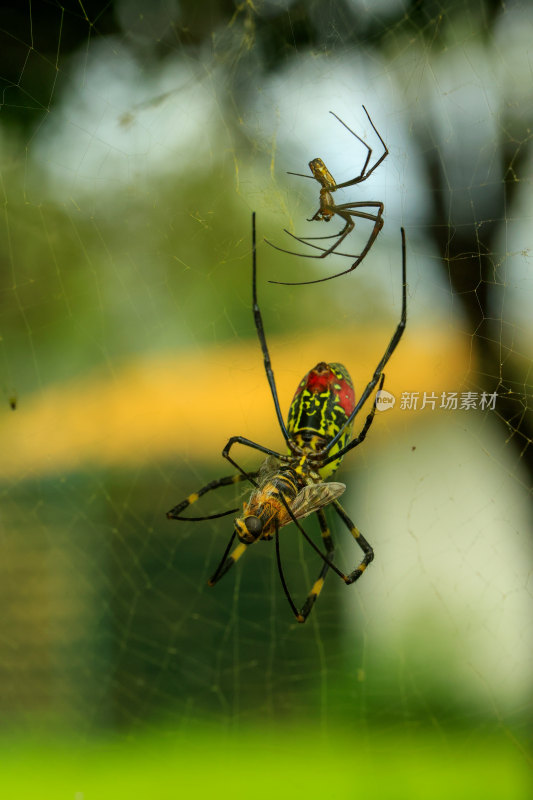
{"x":324,"y":378}
{"x":319,"y":383}
{"x":346,"y":397}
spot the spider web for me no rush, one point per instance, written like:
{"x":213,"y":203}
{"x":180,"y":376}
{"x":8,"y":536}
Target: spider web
{"x":134,"y":145}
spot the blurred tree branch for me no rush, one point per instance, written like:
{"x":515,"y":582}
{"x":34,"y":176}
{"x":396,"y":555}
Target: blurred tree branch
{"x":467,"y":257}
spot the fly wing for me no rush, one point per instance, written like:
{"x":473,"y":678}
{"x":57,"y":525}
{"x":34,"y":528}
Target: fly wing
{"x":268,"y":468}
{"x":311,"y":498}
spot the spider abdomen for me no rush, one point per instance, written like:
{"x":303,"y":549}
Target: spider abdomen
{"x":321,"y":406}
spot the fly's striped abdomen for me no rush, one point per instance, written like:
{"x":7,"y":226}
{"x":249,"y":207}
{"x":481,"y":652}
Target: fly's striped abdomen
{"x":287,"y":482}
{"x":321,"y":405}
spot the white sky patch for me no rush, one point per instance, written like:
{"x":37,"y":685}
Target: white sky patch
{"x":452,"y":559}
{"x":118,"y":125}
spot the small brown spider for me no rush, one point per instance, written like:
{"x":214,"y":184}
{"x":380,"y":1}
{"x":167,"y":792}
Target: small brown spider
{"x":347,"y":211}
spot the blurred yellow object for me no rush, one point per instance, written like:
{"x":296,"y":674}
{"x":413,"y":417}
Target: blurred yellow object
{"x":187,"y":405}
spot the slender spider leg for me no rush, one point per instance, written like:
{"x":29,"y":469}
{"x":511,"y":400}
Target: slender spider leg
{"x":308,"y":538}
{"x":227,"y":561}
{"x":370,"y":418}
{"x":361,"y":436}
{"x":305,"y":238}
{"x":357,"y":535}
{"x":391,"y":347}
{"x":344,"y":212}
{"x":361,"y":541}
{"x":175,"y":513}
{"x":314,"y":246}
{"x":347,"y":211}
{"x":315,"y":590}
{"x":319,"y":583}
{"x":269,"y":373}
{"x":262,"y":339}
{"x":356,"y":263}
{"x":345,"y":207}
{"x":347,"y":215}
{"x":254,"y":446}
{"x":363,"y":176}
{"x":282,"y":577}
{"x":310,"y":255}
{"x":348,"y":228}
{"x":301,"y":175}
{"x":362,"y":204}
{"x":345,"y":271}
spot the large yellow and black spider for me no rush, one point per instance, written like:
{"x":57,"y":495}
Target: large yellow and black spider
{"x":347,"y":211}
{"x":289,"y":487}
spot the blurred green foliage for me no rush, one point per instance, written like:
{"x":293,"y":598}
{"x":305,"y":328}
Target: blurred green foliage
{"x":290,"y":762}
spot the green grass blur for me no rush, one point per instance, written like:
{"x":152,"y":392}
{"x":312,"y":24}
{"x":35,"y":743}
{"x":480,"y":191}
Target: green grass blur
{"x":280,"y":762}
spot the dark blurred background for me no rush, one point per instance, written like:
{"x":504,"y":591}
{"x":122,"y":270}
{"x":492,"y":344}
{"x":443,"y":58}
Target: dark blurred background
{"x":135,"y":140}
